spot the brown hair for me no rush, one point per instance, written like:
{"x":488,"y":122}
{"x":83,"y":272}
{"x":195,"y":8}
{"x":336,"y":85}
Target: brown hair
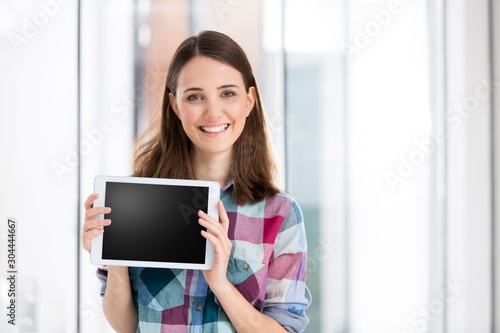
{"x":164,"y":150}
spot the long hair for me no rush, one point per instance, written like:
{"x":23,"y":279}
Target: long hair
{"x":164,"y":150}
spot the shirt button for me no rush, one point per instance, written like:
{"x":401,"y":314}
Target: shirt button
{"x":199,"y":307}
{"x":245,"y":266}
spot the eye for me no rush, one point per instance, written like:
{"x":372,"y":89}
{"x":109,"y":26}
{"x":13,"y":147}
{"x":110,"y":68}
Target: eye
{"x":194,"y":97}
{"x":228,"y":94}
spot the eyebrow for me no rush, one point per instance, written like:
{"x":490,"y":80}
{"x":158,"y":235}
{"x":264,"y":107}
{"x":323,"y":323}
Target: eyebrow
{"x":225,"y":86}
{"x":228,"y":86}
{"x":192,"y":89}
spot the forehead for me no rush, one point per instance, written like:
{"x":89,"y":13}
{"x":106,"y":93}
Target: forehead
{"x":204,"y":72}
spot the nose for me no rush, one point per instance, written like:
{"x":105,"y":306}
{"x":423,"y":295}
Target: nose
{"x":213,"y":110}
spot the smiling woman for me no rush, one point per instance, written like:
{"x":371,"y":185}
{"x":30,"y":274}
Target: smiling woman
{"x":212,"y":127}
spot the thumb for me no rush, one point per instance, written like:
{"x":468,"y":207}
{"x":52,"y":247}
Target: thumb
{"x":224,"y":219}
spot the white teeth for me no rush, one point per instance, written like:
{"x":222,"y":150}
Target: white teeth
{"x":215,"y":129}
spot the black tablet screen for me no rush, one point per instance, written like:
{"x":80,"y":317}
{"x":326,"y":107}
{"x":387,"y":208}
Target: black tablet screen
{"x":154,"y":223}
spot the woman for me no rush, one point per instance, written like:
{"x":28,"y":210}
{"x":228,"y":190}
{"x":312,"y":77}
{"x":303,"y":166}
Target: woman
{"x":212,"y":127}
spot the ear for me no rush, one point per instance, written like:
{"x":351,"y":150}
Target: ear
{"x":251,"y":98}
{"x":173,"y":103}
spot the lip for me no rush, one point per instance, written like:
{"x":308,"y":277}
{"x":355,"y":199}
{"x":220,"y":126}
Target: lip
{"x":214,"y":129}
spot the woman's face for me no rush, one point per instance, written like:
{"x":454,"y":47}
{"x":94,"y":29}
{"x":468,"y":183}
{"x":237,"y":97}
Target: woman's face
{"x":212,"y":104}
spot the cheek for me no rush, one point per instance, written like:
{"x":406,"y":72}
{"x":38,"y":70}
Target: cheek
{"x":237,"y":111}
{"x":188,"y":114}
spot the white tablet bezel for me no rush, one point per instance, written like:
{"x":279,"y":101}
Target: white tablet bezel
{"x":97,"y":242}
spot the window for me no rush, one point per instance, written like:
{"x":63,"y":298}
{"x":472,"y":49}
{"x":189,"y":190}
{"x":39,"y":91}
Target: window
{"x":382,"y":114}
{"x":359,"y":98}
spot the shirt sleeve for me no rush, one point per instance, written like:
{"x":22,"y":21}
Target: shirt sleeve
{"x":102,"y":275}
{"x":287,"y":296}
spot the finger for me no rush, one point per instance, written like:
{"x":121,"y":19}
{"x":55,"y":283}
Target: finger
{"x":224,"y":219}
{"x":210,"y":222}
{"x":204,"y":215}
{"x":220,"y":246}
{"x":90,"y":201}
{"x":92,"y":224}
{"x":214,"y":227}
{"x":211,"y":238}
{"x":88,"y":236}
{"x":93,"y":212}
{"x":217,"y":234}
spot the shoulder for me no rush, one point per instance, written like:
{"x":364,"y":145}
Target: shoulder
{"x":283,"y":204}
{"x":283,"y":216}
{"x":276,"y":213}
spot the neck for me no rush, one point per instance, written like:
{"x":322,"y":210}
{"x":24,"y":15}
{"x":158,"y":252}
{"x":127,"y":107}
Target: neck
{"x":213,"y":167}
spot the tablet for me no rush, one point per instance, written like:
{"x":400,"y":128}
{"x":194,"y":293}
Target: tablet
{"x":154,"y":222}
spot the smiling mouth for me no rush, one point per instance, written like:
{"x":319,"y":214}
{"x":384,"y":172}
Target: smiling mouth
{"x":214,"y":129}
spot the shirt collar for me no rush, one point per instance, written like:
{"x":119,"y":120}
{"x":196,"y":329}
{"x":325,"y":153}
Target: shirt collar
{"x":228,"y":185}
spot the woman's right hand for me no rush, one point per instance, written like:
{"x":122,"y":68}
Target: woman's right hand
{"x":90,"y":226}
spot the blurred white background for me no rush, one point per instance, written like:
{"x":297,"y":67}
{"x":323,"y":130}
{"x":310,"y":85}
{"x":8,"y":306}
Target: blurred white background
{"x":383,"y":114}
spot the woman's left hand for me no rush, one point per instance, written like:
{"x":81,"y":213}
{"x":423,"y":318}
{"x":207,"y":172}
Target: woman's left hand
{"x":216,"y":277}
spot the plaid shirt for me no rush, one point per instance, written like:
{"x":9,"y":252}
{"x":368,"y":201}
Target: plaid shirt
{"x":267,"y":265}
